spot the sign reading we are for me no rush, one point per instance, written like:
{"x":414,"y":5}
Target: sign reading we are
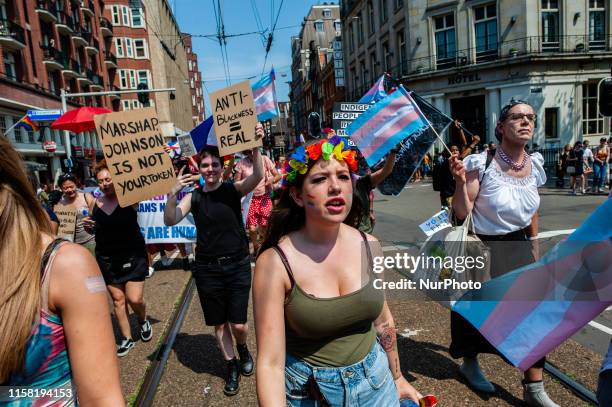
{"x":133,"y":146}
{"x":234,"y":118}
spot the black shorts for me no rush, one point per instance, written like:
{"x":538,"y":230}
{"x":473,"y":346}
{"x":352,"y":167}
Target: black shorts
{"x":123,"y":268}
{"x":224,"y":290}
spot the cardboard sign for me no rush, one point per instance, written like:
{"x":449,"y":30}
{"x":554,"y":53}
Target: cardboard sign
{"x":134,"y":150}
{"x":234,"y":118}
{"x":437,"y":222}
{"x":344,"y":113}
{"x":67,"y":218}
{"x":186,"y":144}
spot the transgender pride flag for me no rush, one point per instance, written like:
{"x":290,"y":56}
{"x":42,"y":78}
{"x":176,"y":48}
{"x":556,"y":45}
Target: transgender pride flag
{"x":265,"y":97}
{"x":375,"y":93}
{"x":528,"y":312}
{"x":391,"y":120}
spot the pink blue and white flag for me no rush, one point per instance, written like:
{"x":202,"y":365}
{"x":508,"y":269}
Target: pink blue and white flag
{"x":528,"y":312}
{"x":390,"y":121}
{"x":265,"y":97}
{"x":375,"y":93}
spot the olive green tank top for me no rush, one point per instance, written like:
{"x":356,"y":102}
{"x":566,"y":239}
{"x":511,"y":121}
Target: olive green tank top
{"x":331,"y":332}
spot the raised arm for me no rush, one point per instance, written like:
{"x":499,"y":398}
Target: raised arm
{"x":466,"y":188}
{"x":174,"y":213}
{"x":268,"y":307}
{"x":249,"y":183}
{"x":379,"y":175}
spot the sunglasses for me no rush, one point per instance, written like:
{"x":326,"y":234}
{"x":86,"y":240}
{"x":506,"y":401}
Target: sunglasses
{"x":531,"y":117}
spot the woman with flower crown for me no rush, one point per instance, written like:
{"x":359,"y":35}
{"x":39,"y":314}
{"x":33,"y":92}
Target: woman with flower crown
{"x":325,"y":335}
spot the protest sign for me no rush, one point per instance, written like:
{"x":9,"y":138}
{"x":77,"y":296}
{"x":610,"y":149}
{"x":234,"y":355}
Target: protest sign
{"x":186,"y":144}
{"x":67,"y":218}
{"x":234,"y":118}
{"x":437,"y":222}
{"x":134,"y":150}
{"x":152,"y":227}
{"x":343,"y":114}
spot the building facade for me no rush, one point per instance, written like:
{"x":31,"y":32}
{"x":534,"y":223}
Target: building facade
{"x":46,"y":46}
{"x":470,"y":57}
{"x":312,"y":52}
{"x":195,"y":82}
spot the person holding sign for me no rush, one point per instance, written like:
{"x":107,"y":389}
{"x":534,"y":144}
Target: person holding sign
{"x":56,"y":335}
{"x":222,"y":267}
{"x":80,"y":202}
{"x":316,"y":324}
{"x":122,"y":257}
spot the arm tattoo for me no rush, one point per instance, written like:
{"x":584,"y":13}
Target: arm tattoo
{"x":388,"y":338}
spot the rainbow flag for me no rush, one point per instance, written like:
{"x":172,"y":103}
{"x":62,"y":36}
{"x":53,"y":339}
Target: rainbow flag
{"x":27,"y":124}
{"x":390,"y":121}
{"x":375,"y":93}
{"x":265,"y":97}
{"x":528,"y":312}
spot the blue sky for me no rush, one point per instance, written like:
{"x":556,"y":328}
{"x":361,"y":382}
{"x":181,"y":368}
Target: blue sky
{"x":246,"y":53}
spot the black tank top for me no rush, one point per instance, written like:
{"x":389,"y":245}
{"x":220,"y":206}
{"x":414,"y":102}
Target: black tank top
{"x":118,"y":234}
{"x":219,"y":224}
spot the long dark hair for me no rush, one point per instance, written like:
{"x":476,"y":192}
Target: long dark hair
{"x":287,"y":216}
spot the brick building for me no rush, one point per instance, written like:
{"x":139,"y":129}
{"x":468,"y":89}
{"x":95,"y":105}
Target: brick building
{"x":195,"y":82}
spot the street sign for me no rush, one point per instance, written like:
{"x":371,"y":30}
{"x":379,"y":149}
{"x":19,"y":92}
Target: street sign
{"x":44,"y":115}
{"x":344,"y":113}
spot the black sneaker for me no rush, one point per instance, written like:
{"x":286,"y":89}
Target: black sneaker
{"x":232,"y":380}
{"x":246,"y":360}
{"x":125,"y":347}
{"x":146,"y":331}
{"x":186,"y":264}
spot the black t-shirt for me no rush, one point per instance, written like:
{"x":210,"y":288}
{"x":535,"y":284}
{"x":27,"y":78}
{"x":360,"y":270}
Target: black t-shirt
{"x":363,"y":186}
{"x":219,"y":224}
{"x":447,"y":182}
{"x":118,"y":234}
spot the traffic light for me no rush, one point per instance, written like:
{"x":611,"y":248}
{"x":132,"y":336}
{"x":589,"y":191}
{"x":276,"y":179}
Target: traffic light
{"x":605,"y":97}
{"x":143,"y":97}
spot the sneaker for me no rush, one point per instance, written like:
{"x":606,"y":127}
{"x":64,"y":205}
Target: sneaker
{"x":534,"y":395}
{"x":246,"y":360}
{"x":125,"y":347}
{"x":146,"y":331}
{"x":151,"y":271}
{"x":470,"y":370}
{"x":186,"y":264}
{"x":232,"y":380}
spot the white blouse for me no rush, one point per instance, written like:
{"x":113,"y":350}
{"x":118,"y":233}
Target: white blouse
{"x":504,"y":203}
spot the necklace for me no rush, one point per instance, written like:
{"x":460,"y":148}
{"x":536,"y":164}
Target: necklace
{"x":508,"y":160}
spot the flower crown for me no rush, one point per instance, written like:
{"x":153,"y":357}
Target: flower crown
{"x":303,"y":157}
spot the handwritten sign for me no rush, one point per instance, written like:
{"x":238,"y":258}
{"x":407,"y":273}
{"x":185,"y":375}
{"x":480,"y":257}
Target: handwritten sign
{"x":67,"y":218}
{"x":234,"y":118}
{"x":152,"y":227}
{"x":437,"y":222}
{"x":133,"y":146}
{"x":185,"y":142}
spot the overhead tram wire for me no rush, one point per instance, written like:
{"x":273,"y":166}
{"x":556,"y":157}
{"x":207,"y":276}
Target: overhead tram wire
{"x":258,"y":23}
{"x":271,"y":35}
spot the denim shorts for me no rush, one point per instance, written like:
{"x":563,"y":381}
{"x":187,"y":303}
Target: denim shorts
{"x":365,"y":383}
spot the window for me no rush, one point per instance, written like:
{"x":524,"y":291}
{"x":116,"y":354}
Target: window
{"x":360,"y":29}
{"x":137,"y":20}
{"x":338,"y":26}
{"x":382,"y":6}
{"x":129,"y":51}
{"x":192,"y":83}
{"x":351,"y":36}
{"x":123,"y":82}
{"x":592,"y":122}
{"x":140,"y":48}
{"x":597,"y":25}
{"x":2,"y":124}
{"x":126,"y":104}
{"x":550,"y":25}
{"x":401,"y":53}
{"x":119,"y":47}
{"x":444,"y":28}
{"x":125,"y":13}
{"x":485,"y":26}
{"x":132,"y":79}
{"x":115,"y":14}
{"x":364,"y":76}
{"x":18,"y":133}
{"x":327,"y":13}
{"x":318,"y":26}
{"x":143,"y":77}
{"x":386,"y":57}
{"x":10,"y":66}
{"x":136,"y":104}
{"x":371,"y":21}
{"x":551,"y":122}
{"x":399,"y":4}
{"x":193,"y":101}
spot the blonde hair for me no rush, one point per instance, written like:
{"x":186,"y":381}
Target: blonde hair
{"x":22,"y":222}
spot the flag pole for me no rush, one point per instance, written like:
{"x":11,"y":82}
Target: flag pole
{"x":14,"y":125}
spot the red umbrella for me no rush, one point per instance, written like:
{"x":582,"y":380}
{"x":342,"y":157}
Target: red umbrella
{"x":78,"y":120}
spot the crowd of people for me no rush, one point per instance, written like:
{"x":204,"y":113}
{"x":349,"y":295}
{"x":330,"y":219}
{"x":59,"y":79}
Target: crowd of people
{"x":324,"y":334}
{"x":580,"y":161}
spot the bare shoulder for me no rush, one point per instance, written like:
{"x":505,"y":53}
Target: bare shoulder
{"x":270,"y":261}
{"x":74,"y":261}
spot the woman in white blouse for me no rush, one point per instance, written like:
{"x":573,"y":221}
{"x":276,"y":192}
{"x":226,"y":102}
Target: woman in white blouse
{"x":502,"y":194}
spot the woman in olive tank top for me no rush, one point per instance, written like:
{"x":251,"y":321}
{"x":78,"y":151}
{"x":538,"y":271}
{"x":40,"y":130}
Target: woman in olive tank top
{"x":323,"y":331}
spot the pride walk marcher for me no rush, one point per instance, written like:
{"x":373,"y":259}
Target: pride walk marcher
{"x":501,"y":191}
{"x":122,"y":257}
{"x":222,"y":267}
{"x":316,"y":324}
{"x":55,"y":334}
{"x":80,"y":201}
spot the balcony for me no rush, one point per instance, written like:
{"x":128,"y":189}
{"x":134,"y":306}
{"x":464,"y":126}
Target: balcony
{"x":70,"y":67}
{"x":106,"y":27}
{"x":114,"y":95}
{"x":65,"y":23}
{"x":88,"y":7}
{"x":96,"y":81}
{"x":80,"y":38}
{"x":52,"y":58}
{"x":12,"y":35}
{"x":110,"y":60}
{"x":46,"y":10}
{"x":93,"y":46}
{"x":85,"y":76}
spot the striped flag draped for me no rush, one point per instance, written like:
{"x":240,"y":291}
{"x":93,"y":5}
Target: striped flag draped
{"x":391,"y":120}
{"x":265,"y":97}
{"x":375,"y":93}
{"x":528,"y":312}
{"x":27,"y":124}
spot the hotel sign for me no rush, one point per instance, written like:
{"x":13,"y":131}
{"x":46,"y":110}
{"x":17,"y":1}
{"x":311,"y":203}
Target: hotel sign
{"x":463,"y":77}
